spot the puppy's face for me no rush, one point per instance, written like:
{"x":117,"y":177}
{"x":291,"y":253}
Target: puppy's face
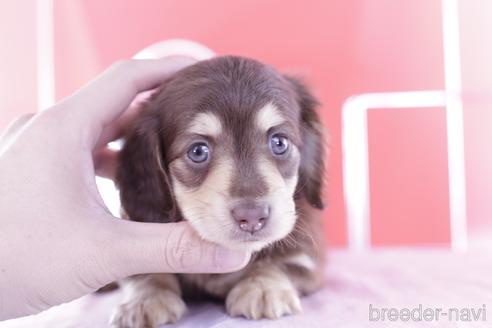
{"x":228,"y":146}
{"x":234,"y":174}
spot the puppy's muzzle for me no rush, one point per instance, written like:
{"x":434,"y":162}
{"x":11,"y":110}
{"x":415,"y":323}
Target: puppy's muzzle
{"x":251,"y":216}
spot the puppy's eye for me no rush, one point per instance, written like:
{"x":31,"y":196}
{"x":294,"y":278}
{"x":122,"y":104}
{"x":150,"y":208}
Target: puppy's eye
{"x":198,"y":153}
{"x":279,"y":144}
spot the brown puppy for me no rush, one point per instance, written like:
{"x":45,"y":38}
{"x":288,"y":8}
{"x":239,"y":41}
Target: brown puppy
{"x":236,"y":149}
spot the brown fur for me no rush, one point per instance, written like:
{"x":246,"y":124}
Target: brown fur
{"x":241,"y":86}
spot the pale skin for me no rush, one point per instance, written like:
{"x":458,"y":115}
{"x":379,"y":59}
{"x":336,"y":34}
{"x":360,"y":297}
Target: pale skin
{"x":58,"y":241}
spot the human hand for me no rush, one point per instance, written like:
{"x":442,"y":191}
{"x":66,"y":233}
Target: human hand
{"x":58,"y":241}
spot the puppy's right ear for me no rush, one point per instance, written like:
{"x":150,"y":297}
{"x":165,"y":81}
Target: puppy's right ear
{"x":311,"y":170}
{"x":142,"y":177}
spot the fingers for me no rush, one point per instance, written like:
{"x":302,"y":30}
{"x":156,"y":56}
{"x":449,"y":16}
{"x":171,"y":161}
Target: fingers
{"x":103,"y":100}
{"x":106,"y":162}
{"x":116,"y":128}
{"x":16,"y":124}
{"x":173,"y":248}
{"x":13,"y":129}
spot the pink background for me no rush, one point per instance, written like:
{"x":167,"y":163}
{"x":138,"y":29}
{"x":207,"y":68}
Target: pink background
{"x":341,"y":47}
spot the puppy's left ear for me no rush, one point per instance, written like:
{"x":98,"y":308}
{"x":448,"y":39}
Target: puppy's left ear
{"x":312,"y":166}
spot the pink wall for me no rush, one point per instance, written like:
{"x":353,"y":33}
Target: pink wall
{"x":342,"y":48}
{"x":408,"y":176}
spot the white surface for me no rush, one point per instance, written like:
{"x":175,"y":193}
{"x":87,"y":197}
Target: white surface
{"x":385,"y":278}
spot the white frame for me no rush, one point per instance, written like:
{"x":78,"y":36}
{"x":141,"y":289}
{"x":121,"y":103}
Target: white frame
{"x":355,"y":146}
{"x":45,"y":54}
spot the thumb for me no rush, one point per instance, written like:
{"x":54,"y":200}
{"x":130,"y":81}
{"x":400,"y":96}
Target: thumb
{"x":171,"y":248}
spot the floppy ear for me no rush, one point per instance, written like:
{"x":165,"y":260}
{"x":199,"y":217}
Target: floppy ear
{"x":311,"y":169}
{"x":142,"y":177}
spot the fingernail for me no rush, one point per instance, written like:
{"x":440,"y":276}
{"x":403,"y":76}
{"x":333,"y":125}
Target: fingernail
{"x":230,"y":260}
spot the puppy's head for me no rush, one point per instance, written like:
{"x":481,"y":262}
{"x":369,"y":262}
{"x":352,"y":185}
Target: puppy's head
{"x":227,"y":144}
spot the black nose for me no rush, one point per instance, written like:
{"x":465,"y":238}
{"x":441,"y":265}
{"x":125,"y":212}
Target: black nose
{"x":251,"y":216}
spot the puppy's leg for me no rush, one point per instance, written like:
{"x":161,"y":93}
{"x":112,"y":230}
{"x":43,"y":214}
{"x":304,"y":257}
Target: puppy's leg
{"x":266,"y":292}
{"x":149,"y":301}
{"x":304,"y":271}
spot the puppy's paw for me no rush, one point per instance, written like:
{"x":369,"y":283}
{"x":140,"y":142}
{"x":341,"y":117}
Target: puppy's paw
{"x":263,"y":297}
{"x":149,"y":311}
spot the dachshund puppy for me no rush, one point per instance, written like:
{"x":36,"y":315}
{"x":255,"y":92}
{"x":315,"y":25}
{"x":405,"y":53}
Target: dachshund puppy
{"x":236,"y":149}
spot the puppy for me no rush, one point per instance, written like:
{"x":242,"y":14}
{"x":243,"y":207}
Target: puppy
{"x":236,"y":149}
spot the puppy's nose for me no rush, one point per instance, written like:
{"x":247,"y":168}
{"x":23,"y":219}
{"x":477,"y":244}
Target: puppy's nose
{"x":251,"y":216}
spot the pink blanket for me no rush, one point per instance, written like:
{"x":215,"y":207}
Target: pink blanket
{"x":400,"y":284}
